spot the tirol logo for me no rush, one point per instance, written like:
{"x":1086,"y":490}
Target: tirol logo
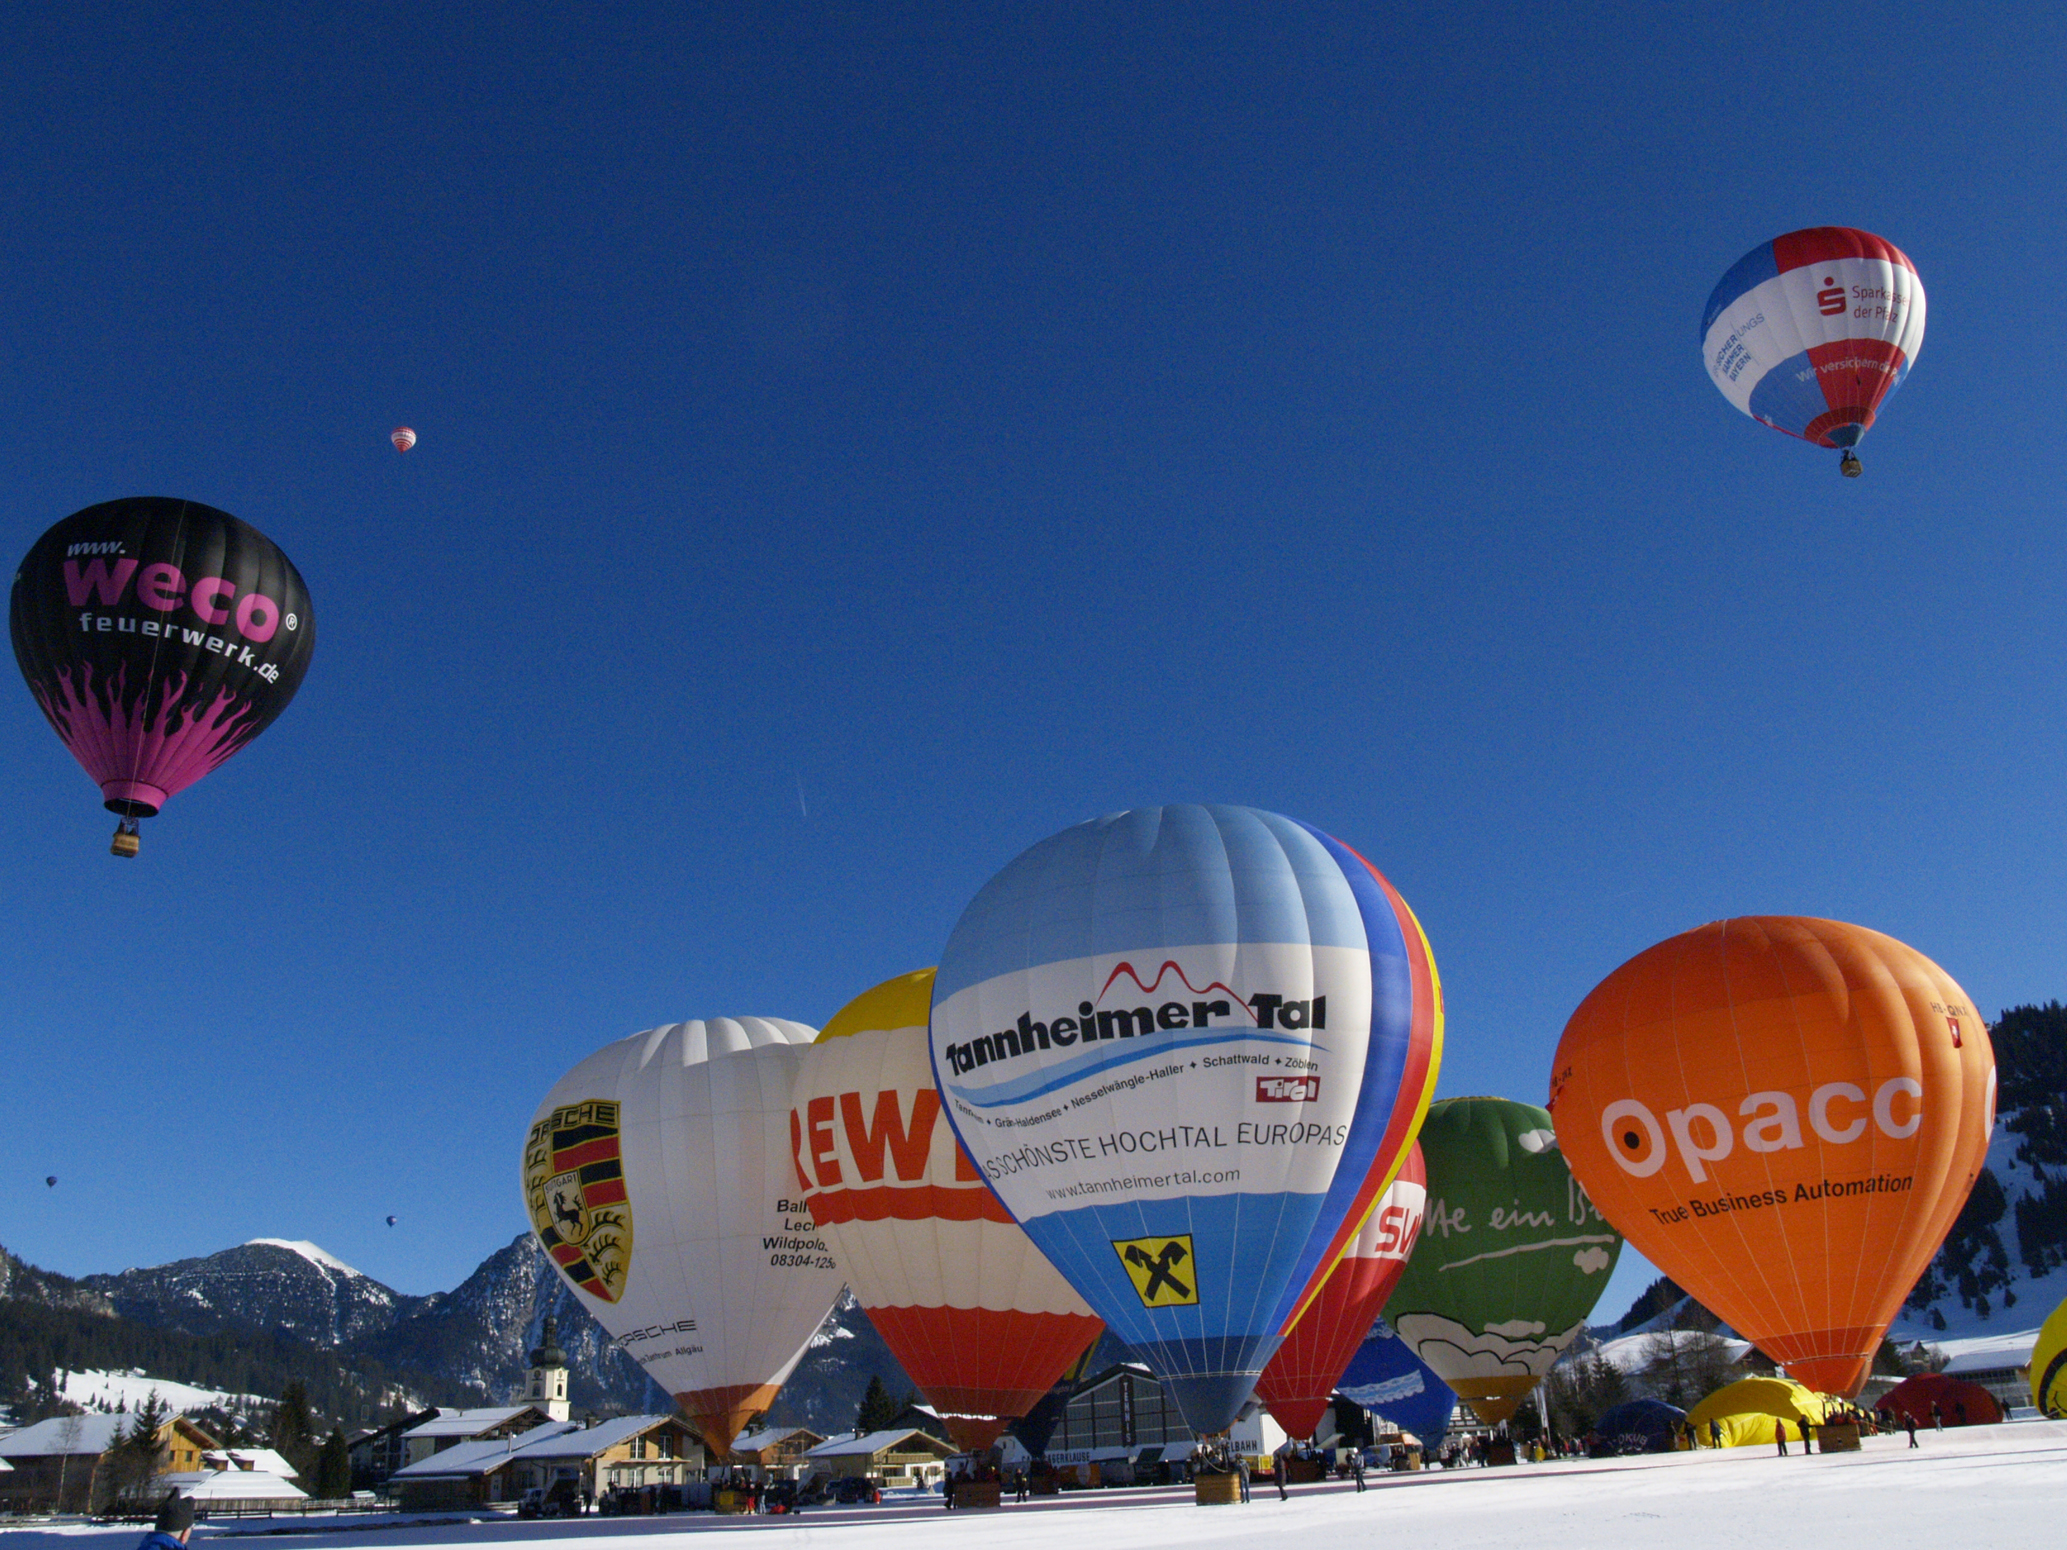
{"x":1830,"y":301}
{"x":1288,"y":1089}
{"x":574,"y":1184}
{"x":1161,"y":1269}
{"x":1213,"y":1014}
{"x":1953,"y":1024}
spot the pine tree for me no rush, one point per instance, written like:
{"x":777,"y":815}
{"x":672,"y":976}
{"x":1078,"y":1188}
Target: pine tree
{"x":334,"y":1468}
{"x":877,"y":1409}
{"x":136,"y":1454}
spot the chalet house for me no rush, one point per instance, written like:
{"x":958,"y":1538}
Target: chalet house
{"x":899,"y":1456}
{"x":774,"y":1453}
{"x":65,"y":1464}
{"x":449,"y":1428}
{"x":629,"y":1453}
{"x":379,"y":1453}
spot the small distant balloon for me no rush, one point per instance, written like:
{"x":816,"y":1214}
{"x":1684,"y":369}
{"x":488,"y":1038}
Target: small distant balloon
{"x":391,"y":1221}
{"x":50,"y":1182}
{"x":403,"y":437}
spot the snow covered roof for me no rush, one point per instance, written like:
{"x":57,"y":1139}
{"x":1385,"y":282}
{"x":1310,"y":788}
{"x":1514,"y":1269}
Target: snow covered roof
{"x":582,"y":1442}
{"x":466,"y":1423}
{"x":482,"y":1457}
{"x":70,"y":1435}
{"x":252,"y":1459}
{"x":234,"y":1485}
{"x":1988,"y":1353}
{"x":849,"y":1446}
{"x":768,"y":1437}
{"x":307,"y":1251}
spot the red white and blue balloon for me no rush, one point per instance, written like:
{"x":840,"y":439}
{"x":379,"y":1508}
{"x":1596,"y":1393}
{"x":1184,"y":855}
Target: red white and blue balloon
{"x":1812,"y":332}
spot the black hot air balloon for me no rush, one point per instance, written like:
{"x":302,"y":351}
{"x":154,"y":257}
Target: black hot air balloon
{"x":50,"y":1181}
{"x":159,"y":636}
{"x":391,"y":1221}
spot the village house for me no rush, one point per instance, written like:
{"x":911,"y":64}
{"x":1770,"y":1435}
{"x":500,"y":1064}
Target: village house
{"x":897,"y":1457}
{"x":627,"y":1454}
{"x":774,"y":1453}
{"x":449,"y":1428}
{"x":66,"y":1464}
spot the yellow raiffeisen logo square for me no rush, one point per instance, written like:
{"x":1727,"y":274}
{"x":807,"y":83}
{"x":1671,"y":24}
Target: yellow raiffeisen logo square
{"x":1161,"y":1269}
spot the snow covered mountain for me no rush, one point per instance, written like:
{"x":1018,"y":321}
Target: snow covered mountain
{"x":269,"y":1283}
{"x":2004,"y":1264}
{"x":477,"y":1338}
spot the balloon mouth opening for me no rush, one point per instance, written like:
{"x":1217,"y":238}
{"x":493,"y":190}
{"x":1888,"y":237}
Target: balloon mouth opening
{"x":132,"y":798}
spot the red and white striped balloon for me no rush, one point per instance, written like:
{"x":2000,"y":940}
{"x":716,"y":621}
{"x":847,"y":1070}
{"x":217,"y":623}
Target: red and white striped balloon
{"x":404,"y":438}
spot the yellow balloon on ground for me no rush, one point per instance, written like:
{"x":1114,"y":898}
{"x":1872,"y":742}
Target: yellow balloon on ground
{"x":2049,"y":1365}
{"x":1747,"y":1411}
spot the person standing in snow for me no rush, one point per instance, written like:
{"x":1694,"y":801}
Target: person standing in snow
{"x":1937,"y":1417}
{"x":1780,"y":1434}
{"x":1909,"y":1421}
{"x":175,"y":1522}
{"x":1356,"y":1468}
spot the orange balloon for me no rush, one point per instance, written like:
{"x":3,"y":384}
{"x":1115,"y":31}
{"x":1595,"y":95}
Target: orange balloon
{"x":1784,"y":1115}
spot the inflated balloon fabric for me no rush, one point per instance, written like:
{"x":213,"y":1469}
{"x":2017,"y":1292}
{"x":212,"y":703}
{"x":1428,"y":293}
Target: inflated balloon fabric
{"x":657,"y":1175}
{"x":1784,"y":1115}
{"x":974,"y":1313}
{"x":1812,"y":332}
{"x":1188,"y":1047}
{"x":159,"y":636}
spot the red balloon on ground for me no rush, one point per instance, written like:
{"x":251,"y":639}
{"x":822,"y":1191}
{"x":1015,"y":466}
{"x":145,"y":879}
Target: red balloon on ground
{"x":1302,"y":1375}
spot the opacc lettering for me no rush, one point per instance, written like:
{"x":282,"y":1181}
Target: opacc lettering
{"x":1701,"y":1133}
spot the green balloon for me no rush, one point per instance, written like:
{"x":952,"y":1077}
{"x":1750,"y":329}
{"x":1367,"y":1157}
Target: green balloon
{"x":1512,"y":1255}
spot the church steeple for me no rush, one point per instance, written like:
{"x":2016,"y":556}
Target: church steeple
{"x":547,"y":1388}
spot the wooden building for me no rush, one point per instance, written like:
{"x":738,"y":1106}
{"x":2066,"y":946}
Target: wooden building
{"x":67,"y":1463}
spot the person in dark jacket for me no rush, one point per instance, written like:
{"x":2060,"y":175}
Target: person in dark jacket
{"x":175,"y":1522}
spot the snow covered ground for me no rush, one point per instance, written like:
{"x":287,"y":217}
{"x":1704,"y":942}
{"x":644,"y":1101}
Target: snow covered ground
{"x":1981,"y":1488}
{"x":107,"y":1390}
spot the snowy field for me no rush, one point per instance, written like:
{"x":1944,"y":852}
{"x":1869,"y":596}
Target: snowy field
{"x":1976,"y":1489}
{"x":129,"y":1390}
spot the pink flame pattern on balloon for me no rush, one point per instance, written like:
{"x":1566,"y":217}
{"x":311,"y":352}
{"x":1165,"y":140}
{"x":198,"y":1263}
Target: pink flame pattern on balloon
{"x":144,"y":748}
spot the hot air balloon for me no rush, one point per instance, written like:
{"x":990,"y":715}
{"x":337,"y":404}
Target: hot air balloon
{"x":1512,"y":1255}
{"x":403,"y":437}
{"x":979,"y":1320}
{"x":159,"y":636}
{"x":391,"y":1221}
{"x":1188,"y":1047}
{"x":1389,"y":1380}
{"x":2049,"y":1365}
{"x":50,"y":1181}
{"x":1745,"y":1412}
{"x":657,"y":1175}
{"x":1812,"y":332}
{"x":1784,"y":1115}
{"x":1302,"y":1375}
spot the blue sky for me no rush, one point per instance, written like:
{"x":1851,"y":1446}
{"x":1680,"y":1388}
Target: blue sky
{"x":975,"y":419}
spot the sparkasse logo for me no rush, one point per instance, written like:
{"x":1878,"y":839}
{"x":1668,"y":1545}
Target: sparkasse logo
{"x":1288,"y":1089}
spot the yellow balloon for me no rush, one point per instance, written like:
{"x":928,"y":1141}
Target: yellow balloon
{"x":2049,"y":1365}
{"x":1748,"y":1410}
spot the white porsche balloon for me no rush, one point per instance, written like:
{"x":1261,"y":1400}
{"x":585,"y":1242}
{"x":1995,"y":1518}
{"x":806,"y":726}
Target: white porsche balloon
{"x":657,"y":1176}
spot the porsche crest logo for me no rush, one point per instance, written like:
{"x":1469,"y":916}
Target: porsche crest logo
{"x":574,"y":1185}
